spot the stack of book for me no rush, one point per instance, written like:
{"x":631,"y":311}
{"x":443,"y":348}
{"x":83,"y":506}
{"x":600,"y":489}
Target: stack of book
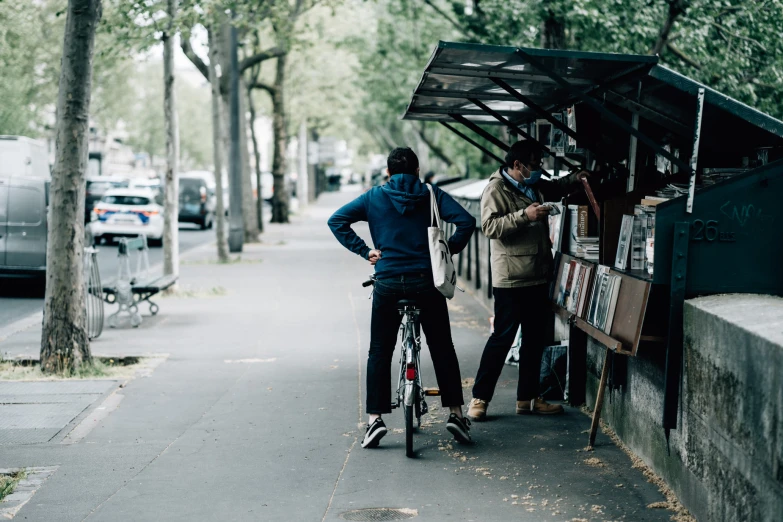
{"x":574,"y":287}
{"x":712,"y":176}
{"x":603,"y":299}
{"x":587,"y":248}
{"x":672,"y":190}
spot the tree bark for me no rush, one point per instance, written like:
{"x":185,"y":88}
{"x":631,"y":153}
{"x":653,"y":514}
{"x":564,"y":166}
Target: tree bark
{"x":552,"y":29}
{"x":64,"y":342}
{"x":218,"y":149}
{"x":171,"y":123}
{"x":280,"y":197}
{"x":257,"y":156}
{"x":433,"y":146}
{"x":248,"y":206}
{"x":676,"y":8}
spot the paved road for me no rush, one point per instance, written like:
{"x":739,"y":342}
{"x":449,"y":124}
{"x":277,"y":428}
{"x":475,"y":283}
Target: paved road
{"x":22,"y":297}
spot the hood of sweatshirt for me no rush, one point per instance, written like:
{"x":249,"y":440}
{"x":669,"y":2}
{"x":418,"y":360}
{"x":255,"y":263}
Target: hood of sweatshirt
{"x":406,"y":192}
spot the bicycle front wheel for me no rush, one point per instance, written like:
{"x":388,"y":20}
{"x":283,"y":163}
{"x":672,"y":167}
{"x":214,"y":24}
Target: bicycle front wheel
{"x":408,"y":431}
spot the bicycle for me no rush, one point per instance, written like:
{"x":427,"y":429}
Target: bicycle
{"x":410,"y":391}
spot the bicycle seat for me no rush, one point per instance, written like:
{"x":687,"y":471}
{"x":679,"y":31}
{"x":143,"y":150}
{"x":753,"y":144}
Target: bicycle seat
{"x":402,"y":303}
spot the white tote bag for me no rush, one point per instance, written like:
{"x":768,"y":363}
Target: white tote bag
{"x":443,"y":273}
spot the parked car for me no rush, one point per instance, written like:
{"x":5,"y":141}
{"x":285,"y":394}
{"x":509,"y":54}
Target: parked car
{"x":96,"y":188}
{"x":130,"y":213}
{"x":152,"y":184}
{"x":23,"y":225}
{"x":197,"y":200}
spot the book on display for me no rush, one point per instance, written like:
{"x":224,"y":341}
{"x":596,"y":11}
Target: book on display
{"x":624,"y":243}
{"x":612,"y":304}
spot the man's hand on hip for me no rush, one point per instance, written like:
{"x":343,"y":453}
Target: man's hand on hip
{"x":537,"y":212}
{"x":374,"y":256}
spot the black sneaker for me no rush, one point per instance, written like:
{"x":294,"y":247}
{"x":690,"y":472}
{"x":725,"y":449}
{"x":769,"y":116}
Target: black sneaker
{"x":459,"y":427}
{"x":374,"y":434}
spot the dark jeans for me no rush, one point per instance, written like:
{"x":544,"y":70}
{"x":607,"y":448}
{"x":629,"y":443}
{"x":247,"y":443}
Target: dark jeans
{"x":384,"y":331}
{"x":528,"y":307}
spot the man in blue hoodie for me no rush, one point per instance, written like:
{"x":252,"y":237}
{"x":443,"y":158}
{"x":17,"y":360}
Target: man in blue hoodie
{"x":399,"y":214}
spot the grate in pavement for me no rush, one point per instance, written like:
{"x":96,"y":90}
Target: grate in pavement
{"x":46,"y":398}
{"x":28,"y":436}
{"x":379,"y":514}
{"x":35,"y":416}
{"x":55,"y":387}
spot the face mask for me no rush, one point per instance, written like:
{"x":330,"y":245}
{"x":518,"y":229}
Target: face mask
{"x":535,"y":175}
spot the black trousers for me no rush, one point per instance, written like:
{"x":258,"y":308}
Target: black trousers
{"x":384,"y":332}
{"x":528,"y":307}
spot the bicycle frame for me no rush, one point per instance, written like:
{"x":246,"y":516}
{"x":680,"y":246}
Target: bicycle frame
{"x":410,"y":363}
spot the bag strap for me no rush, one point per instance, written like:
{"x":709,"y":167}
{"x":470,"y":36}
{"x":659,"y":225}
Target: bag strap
{"x":434,"y":214}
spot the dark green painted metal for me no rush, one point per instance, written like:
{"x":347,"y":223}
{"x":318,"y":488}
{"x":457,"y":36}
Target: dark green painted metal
{"x":550,"y":53}
{"x":472,"y":142}
{"x":538,"y":109}
{"x":478,"y":258}
{"x":679,"y":272}
{"x":516,"y":129}
{"x":736,"y":233}
{"x":713,"y":97}
{"x":609,"y":115}
{"x":481,"y":132}
{"x":560,"y":125}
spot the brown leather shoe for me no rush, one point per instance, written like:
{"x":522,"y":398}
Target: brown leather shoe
{"x":538,"y":406}
{"x":477,"y":410}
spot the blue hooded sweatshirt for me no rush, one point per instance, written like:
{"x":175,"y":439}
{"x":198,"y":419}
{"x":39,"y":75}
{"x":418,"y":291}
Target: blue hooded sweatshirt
{"x":399,"y":214}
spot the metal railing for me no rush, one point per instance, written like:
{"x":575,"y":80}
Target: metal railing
{"x":473,"y":263}
{"x":93,"y":294}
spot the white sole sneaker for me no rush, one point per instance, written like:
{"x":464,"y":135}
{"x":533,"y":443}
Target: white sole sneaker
{"x":371,"y":440}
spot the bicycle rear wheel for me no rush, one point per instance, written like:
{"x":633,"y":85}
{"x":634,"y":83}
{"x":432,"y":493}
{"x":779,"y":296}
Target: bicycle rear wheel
{"x":408,"y":431}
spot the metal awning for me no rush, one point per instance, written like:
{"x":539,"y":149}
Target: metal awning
{"x":458,"y":71}
{"x":475,"y":85}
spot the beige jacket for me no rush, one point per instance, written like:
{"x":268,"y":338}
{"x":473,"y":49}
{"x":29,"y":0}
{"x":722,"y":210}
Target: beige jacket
{"x":520,"y":250}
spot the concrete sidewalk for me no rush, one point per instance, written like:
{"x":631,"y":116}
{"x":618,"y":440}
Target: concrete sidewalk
{"x":256,"y":413}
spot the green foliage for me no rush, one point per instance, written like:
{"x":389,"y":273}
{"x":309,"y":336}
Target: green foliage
{"x":9,"y":482}
{"x":30,"y":46}
{"x":143,"y":116}
{"x":733,"y":46}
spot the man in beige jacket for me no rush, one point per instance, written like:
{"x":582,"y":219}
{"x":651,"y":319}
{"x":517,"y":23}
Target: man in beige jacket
{"x":514,"y":217}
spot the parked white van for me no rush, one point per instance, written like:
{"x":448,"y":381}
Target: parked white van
{"x":24,"y":157}
{"x":23,"y":226}
{"x":25,"y":179}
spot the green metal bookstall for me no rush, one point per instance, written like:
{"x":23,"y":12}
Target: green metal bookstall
{"x":638,"y":127}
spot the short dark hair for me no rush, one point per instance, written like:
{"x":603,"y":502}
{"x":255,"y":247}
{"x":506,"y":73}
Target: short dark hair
{"x":521,"y":151}
{"x":402,"y":160}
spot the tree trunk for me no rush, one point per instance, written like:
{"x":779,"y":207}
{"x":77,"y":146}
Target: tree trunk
{"x":171,"y":205}
{"x":64,"y":342}
{"x":248,"y":207}
{"x":552,"y":29}
{"x":257,"y":155}
{"x":280,"y":199}
{"x":218,"y":149}
{"x":433,"y":146}
{"x":676,"y":8}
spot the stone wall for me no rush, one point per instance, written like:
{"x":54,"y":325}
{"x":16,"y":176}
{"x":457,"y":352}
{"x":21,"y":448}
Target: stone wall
{"x":726,"y":461}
